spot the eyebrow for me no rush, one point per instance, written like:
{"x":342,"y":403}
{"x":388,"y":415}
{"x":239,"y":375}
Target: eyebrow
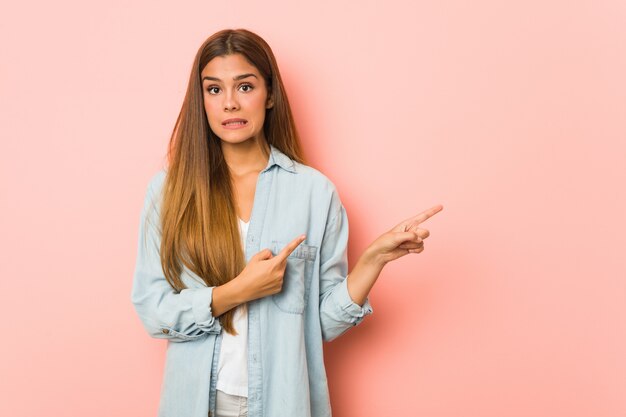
{"x":238,"y":77}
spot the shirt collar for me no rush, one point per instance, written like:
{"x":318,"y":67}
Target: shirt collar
{"x":280,"y":159}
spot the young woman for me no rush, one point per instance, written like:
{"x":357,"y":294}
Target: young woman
{"x":242,"y":260}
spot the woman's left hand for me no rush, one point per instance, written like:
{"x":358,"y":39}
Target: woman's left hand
{"x":404,"y":238}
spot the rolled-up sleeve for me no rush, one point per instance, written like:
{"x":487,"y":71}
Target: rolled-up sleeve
{"x":338,"y":312}
{"x":165,"y":313}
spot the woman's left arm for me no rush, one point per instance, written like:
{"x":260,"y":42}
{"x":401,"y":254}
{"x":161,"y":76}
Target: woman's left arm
{"x":404,"y":238}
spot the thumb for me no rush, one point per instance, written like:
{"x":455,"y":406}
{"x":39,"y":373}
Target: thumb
{"x":263,"y":255}
{"x":400,"y":237}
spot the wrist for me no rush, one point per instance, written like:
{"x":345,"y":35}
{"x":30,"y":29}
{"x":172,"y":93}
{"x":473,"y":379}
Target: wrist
{"x":372,"y":258}
{"x":236,"y":290}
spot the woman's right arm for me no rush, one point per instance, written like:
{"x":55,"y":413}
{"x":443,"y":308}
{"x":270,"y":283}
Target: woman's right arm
{"x":192,"y":312}
{"x":167,"y":314}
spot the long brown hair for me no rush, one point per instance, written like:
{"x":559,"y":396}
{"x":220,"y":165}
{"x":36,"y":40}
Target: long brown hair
{"x":199,"y":223}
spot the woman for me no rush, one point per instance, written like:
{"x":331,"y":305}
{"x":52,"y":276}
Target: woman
{"x":242,"y":259}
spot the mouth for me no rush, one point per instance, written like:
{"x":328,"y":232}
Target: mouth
{"x":234,"y":123}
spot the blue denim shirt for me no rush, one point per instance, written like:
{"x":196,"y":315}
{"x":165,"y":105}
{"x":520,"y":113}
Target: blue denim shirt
{"x":286,"y":375}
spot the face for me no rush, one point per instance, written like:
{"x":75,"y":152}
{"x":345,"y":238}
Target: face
{"x":235,"y":98}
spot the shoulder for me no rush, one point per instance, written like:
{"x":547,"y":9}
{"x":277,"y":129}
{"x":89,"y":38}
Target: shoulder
{"x":153,"y":190}
{"x":315,"y":178}
{"x":322,"y":187}
{"x":156,"y":181}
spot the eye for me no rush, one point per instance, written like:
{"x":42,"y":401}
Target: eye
{"x":248,"y":87}
{"x":212,"y":89}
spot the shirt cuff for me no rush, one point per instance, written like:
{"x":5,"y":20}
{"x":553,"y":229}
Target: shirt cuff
{"x":353,"y":312}
{"x":202,"y":312}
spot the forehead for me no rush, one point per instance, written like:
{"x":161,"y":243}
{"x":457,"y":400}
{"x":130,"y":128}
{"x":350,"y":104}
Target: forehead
{"x":227,"y":66}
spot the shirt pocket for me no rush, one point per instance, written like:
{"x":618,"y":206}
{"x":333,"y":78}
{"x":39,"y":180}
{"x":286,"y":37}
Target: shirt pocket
{"x":297,"y":278}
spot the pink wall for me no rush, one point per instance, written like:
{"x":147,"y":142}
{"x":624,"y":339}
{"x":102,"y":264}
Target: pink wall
{"x":510,"y":114}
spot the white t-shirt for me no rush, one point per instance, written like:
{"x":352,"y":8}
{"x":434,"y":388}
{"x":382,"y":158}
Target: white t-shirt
{"x":232,"y":368}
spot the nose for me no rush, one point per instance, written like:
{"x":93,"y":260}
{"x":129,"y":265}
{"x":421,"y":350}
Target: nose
{"x":230,"y":102}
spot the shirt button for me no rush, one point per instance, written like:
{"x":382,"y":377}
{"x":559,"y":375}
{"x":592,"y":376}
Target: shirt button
{"x":165,"y":331}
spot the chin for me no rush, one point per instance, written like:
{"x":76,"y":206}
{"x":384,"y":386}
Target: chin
{"x":235,"y":141}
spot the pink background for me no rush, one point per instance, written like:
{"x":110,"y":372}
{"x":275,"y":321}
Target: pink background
{"x":510,"y":114}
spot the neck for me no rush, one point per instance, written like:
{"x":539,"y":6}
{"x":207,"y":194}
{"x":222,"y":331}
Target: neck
{"x":246,"y":157}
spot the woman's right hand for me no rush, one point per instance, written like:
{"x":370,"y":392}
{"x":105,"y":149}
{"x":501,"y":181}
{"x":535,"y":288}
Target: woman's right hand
{"x":263,"y":275}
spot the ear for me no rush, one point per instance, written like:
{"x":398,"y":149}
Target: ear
{"x":269,"y":103}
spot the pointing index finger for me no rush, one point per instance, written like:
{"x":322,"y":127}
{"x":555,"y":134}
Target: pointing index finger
{"x":290,"y":247}
{"x":426,"y":214}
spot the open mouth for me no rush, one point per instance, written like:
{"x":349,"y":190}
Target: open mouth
{"x":234,"y":123}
